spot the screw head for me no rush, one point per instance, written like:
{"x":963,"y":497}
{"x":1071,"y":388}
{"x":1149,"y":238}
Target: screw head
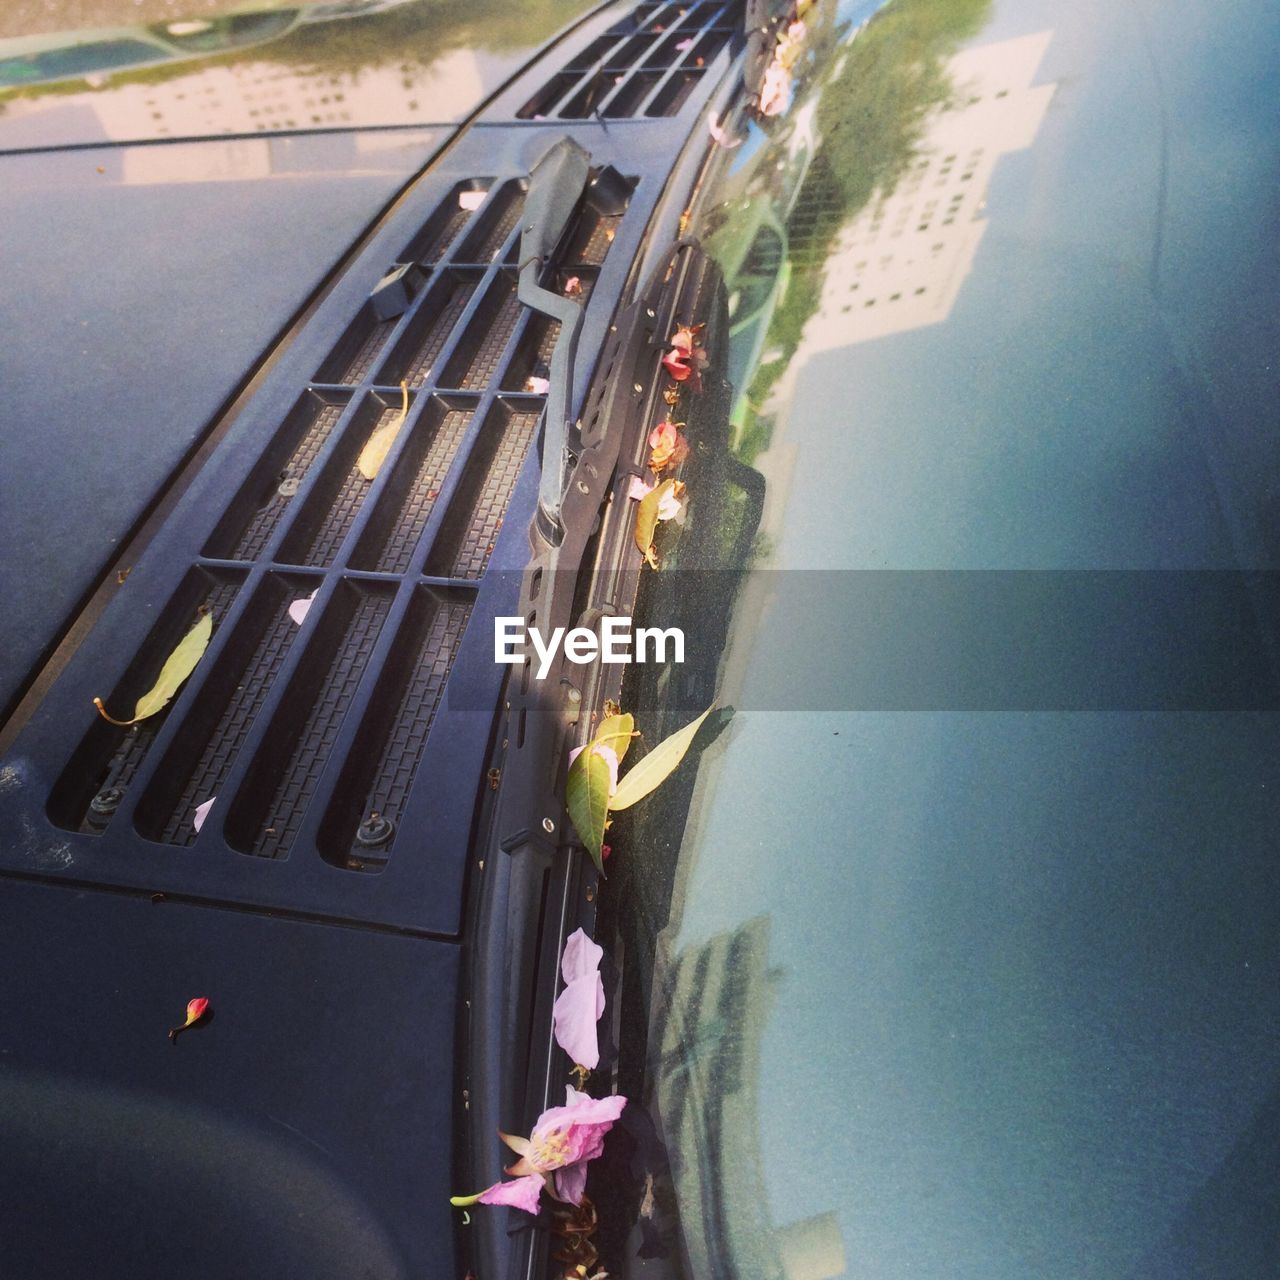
{"x":375,"y":830}
{"x":106,"y":802}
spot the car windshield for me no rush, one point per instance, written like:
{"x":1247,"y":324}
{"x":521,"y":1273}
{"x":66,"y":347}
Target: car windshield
{"x":937,"y":964}
{"x":368,"y":63}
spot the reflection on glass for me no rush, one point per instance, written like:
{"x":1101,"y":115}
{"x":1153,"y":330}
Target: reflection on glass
{"x":337,"y":66}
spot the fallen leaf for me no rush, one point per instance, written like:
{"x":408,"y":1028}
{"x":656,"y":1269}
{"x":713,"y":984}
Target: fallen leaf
{"x":375,"y":451}
{"x":178,"y":666}
{"x":616,"y":732}
{"x":195,"y":1011}
{"x":657,"y":766}
{"x":586,"y":795}
{"x":647,"y":521}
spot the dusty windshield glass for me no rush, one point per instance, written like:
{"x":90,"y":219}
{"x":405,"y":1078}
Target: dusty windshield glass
{"x":362,"y":63}
{"x":970,"y":977}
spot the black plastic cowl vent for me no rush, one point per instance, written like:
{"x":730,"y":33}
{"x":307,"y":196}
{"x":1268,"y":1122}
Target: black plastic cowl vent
{"x":341,"y":603}
{"x":647,"y":65}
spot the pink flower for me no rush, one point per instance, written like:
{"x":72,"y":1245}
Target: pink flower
{"x":668,"y":448}
{"x":608,"y":755}
{"x":775,"y":93}
{"x":686,"y":359}
{"x":195,"y":1011}
{"x":555,"y":1155}
{"x":720,"y":135}
{"x":580,"y":1004}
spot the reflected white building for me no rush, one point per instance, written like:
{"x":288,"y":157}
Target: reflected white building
{"x":900,"y":264}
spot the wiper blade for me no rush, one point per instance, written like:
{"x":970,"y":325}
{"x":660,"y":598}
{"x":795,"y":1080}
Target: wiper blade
{"x":557,"y":183}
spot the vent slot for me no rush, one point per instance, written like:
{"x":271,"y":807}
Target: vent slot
{"x":268,"y":810}
{"x":441,"y":229}
{"x":199,"y":760}
{"x":465,"y":541}
{"x":632,"y":95}
{"x":392,"y":534}
{"x":109,"y":756}
{"x":494,"y":226}
{"x":393,"y":735}
{"x":258,"y":508}
{"x":632,"y":69}
{"x":429,"y":330}
{"x":335,"y":500}
{"x":352,"y":360}
{"x":476,"y":358}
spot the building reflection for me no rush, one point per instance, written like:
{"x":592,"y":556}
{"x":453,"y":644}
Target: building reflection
{"x":717,"y":1002}
{"x":901,"y":262}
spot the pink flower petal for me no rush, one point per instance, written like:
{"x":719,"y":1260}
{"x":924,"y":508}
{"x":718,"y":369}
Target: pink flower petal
{"x":580,"y":1004}
{"x":669,"y":506}
{"x":202,"y":812}
{"x":571,"y":1181}
{"x":682,"y":45}
{"x":637,"y":488}
{"x":471,"y":200}
{"x":299,"y":608}
{"x":574,"y":1017}
{"x":523,"y":1193}
{"x":720,"y":136}
{"x":539,"y":386}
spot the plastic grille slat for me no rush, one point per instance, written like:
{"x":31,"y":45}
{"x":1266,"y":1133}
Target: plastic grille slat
{"x":315,"y":739}
{"x":233,"y":726}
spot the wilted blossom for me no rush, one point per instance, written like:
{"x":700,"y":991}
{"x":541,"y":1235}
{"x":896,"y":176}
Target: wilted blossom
{"x":538,"y":386}
{"x":670,"y":505}
{"x":687,"y":359}
{"x":668,"y":448}
{"x":579,"y":1006}
{"x":555,"y":1155}
{"x":775,"y":93}
{"x":195,"y":1011}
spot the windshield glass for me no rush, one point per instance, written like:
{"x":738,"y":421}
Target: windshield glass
{"x":360,"y":64}
{"x":934,"y":965}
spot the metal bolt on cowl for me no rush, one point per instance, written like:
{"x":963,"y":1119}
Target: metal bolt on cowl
{"x":104,"y":804}
{"x":375,"y":830}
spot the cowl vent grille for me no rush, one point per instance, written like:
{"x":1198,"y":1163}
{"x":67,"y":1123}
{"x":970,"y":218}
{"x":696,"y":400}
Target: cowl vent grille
{"x":341,"y":602}
{"x":646,"y":65}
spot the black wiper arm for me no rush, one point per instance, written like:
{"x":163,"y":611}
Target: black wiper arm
{"x":556,"y":185}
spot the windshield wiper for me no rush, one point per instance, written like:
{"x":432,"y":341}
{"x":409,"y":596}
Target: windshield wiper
{"x":557,"y":183}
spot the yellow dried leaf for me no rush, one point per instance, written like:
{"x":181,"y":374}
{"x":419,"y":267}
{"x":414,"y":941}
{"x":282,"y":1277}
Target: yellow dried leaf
{"x":647,"y":520}
{"x":376,"y":448}
{"x":178,"y":666}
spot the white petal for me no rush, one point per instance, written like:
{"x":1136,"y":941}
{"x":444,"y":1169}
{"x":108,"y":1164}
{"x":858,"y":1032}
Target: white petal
{"x":298,"y":609}
{"x":202,"y":812}
{"x":471,"y":199}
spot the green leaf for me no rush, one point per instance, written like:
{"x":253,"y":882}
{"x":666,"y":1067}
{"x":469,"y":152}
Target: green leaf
{"x":586,"y":794}
{"x":657,"y":766}
{"x":616,"y":733}
{"x":647,"y":520}
{"x":376,"y":448}
{"x":178,"y":666}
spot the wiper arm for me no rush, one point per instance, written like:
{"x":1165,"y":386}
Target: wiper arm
{"x":556,"y":184}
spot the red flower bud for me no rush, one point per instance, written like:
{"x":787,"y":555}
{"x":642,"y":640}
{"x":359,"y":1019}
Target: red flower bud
{"x":195,"y":1011}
